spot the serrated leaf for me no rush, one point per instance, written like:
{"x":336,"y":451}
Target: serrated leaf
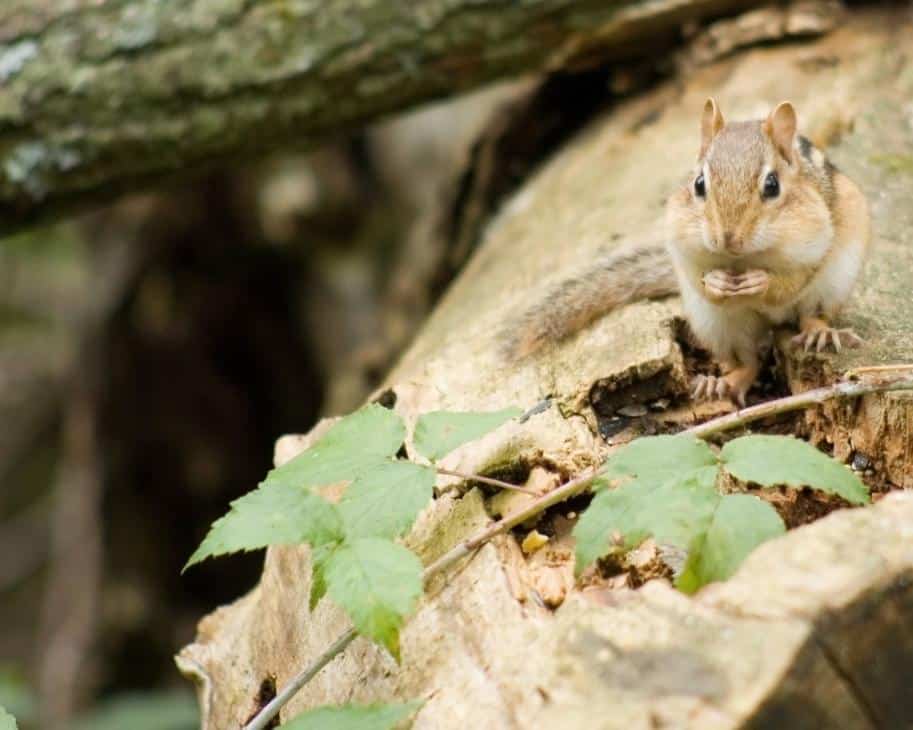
{"x":672,"y":512}
{"x":271,"y":515}
{"x":378,"y":583}
{"x":352,"y":717}
{"x":440,"y":432}
{"x":355,"y":444}
{"x":740,"y":523}
{"x":7,"y":721}
{"x":384,"y":502}
{"x":657,"y":459}
{"x":774,"y":460}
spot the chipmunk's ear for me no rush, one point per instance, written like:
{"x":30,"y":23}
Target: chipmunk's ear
{"x":711,"y":124}
{"x":780,"y":126}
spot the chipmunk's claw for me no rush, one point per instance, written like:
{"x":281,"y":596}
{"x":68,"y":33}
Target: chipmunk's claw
{"x":827,"y":338}
{"x":714,"y":387}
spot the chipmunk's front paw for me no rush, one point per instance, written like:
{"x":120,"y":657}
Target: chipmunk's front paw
{"x":733,"y":385}
{"x":709,"y":387}
{"x":720,"y":284}
{"x":822,"y":338}
{"x":715,"y":387}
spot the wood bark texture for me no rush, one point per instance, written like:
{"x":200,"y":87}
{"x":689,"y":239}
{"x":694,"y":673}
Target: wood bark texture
{"x":813,"y":631}
{"x":99,"y":96}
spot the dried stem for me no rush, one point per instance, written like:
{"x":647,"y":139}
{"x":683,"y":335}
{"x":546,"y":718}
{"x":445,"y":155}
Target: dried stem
{"x":846,"y":389}
{"x":559,"y":494}
{"x":488,"y":480}
{"x":569,"y":489}
{"x":265,"y":716}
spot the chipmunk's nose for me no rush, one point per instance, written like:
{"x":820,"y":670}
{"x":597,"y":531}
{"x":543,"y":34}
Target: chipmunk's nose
{"x":731,"y":243}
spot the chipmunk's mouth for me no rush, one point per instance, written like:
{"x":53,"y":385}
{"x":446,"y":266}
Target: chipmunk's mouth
{"x":727,"y":246}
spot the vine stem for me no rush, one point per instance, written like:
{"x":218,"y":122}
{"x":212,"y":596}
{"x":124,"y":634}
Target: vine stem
{"x":846,"y":389}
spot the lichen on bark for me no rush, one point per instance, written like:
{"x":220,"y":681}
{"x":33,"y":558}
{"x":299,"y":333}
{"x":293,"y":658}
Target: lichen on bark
{"x":99,"y":97}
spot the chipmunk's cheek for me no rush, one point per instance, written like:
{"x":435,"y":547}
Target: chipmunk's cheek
{"x":809,"y":238}
{"x":762,"y":238}
{"x":812,"y":246}
{"x":706,"y":238}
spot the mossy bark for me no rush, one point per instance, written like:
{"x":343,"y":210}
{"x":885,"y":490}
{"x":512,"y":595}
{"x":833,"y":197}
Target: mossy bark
{"x":99,"y":97}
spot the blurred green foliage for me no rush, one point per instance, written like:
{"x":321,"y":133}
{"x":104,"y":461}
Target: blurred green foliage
{"x":165,"y":710}
{"x":15,"y":694}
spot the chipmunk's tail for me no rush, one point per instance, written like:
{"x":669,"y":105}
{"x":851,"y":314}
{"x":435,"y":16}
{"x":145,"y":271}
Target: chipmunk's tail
{"x":612,"y":280}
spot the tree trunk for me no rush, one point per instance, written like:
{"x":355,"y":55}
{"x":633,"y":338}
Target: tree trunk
{"x":813,"y":631}
{"x":99,"y":97}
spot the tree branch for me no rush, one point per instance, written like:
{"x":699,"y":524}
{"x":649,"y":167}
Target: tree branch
{"x":101,"y":96}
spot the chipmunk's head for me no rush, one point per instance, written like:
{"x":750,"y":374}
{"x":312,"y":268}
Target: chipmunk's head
{"x":747,"y":194}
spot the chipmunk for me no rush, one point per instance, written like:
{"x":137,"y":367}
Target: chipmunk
{"x":765,"y":231}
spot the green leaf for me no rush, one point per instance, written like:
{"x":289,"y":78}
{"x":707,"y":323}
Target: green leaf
{"x":740,"y":523}
{"x":355,"y":444}
{"x":773,"y":460}
{"x":378,"y":583}
{"x":440,"y":432}
{"x":271,"y":515}
{"x":16,"y":695}
{"x":7,"y":721}
{"x":673,"y":499}
{"x":283,"y":510}
{"x":672,"y":512}
{"x":320,"y":554}
{"x":658,"y":458}
{"x":385,"y":501}
{"x":163,"y":710}
{"x":352,"y":717}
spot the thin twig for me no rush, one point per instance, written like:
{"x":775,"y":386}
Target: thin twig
{"x":568,"y":490}
{"x":559,"y":494}
{"x":488,"y":480}
{"x":265,"y":716}
{"x":795,"y":402}
{"x":867,"y":369}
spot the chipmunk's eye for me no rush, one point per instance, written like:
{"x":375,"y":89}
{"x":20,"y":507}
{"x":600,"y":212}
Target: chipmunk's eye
{"x":771,"y":185}
{"x":700,"y":190}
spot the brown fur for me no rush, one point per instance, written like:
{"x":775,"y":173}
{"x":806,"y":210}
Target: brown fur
{"x":742,"y":261}
{"x":611,"y":280}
